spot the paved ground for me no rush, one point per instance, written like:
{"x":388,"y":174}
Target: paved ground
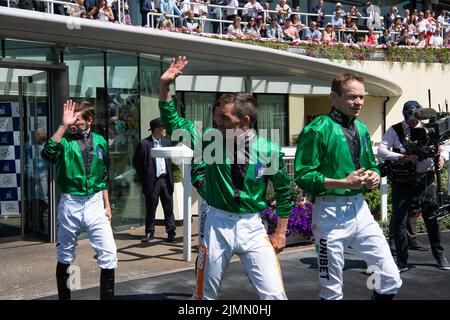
{"x":27,"y":268}
{"x":424,"y":281}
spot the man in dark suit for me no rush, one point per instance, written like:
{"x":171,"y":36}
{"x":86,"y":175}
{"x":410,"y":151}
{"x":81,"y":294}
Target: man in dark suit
{"x":156,"y":180}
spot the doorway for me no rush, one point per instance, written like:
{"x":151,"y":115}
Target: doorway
{"x":27,"y":193}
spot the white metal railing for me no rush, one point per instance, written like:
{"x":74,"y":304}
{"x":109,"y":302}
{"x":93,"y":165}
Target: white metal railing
{"x":243,"y":9}
{"x":121,"y":14}
{"x":51,"y":3}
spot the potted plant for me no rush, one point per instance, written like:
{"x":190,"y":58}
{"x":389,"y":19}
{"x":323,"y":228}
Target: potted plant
{"x":299,"y":222}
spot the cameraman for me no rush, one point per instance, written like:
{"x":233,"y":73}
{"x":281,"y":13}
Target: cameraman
{"x":406,"y":190}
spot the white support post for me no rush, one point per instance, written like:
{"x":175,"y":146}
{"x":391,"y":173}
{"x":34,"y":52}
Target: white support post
{"x":182,"y":155}
{"x":384,"y":199}
{"x":187,"y":210}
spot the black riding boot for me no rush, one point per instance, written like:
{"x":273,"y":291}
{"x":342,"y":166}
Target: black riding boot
{"x":107,"y":284}
{"x":382,"y":297}
{"x":61,"y":280}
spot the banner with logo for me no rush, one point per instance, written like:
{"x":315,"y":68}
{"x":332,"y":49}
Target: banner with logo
{"x":9,"y":158}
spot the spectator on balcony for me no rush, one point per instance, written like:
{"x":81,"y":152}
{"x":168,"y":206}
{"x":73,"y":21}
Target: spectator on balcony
{"x":374,"y":19}
{"x":430,"y":25}
{"x":103,"y":12}
{"x":397,"y":26}
{"x":250,"y":29}
{"x":390,"y":17}
{"x":191,"y":22}
{"x":28,"y":5}
{"x":421,"y":42}
{"x":235,"y":28}
{"x":185,"y":5}
{"x":284,"y":11}
{"x":267,"y":13}
{"x":447,"y":41}
{"x":406,"y":15}
{"x":215,"y":13}
{"x":232,"y":13}
{"x":312,"y":33}
{"x":436,"y":39}
{"x":350,"y":29}
{"x":148,"y":6}
{"x":386,"y":38}
{"x":421,"y":23}
{"x":319,"y":9}
{"x":274,"y":30}
{"x":79,"y":10}
{"x":290,"y":32}
{"x":339,"y":8}
{"x":328,"y":35}
{"x":168,"y":8}
{"x":444,"y":20}
{"x":354,"y":12}
{"x":404,"y":39}
{"x":412,"y":24}
{"x":90,"y":6}
{"x":337,"y":21}
{"x":261,"y":26}
{"x":252,"y":9}
{"x":295,"y":20}
{"x":199,"y":7}
{"x":371,"y":38}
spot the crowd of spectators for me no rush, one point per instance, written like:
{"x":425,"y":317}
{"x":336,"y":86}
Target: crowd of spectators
{"x":256,"y":20}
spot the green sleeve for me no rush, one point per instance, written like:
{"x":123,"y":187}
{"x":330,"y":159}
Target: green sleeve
{"x":173,"y":121}
{"x":308,"y":161}
{"x":372,"y":163}
{"x":282,"y":185}
{"x":52,"y":151}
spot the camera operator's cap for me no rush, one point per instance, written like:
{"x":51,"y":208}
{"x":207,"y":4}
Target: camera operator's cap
{"x":338,"y":4}
{"x":155,"y":123}
{"x":408,"y":109}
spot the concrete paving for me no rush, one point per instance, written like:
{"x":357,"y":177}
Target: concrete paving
{"x":156,"y":271}
{"x":424,"y":281}
{"x":27,"y":268}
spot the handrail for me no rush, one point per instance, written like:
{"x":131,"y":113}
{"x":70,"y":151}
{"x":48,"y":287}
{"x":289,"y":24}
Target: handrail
{"x":221,"y":21}
{"x":244,"y":23}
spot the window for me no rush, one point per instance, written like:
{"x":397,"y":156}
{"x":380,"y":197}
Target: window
{"x":197,"y":106}
{"x":273,"y":115}
{"x":122,"y":109}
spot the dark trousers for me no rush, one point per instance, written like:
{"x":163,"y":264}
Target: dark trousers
{"x":411,"y":222}
{"x":402,"y":198}
{"x":160,"y":191}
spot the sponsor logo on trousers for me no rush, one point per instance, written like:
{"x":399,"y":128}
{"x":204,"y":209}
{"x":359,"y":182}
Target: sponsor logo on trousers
{"x":323,"y":259}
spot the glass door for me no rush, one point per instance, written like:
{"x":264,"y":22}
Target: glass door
{"x":34,"y":108}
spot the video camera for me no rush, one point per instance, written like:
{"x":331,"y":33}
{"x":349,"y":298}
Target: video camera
{"x":424,"y":142}
{"x":401,"y":170}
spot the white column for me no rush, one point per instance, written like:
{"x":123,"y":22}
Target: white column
{"x":384,"y":198}
{"x":187,"y":209}
{"x":182,"y":155}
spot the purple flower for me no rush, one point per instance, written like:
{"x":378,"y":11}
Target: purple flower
{"x":299,"y":221}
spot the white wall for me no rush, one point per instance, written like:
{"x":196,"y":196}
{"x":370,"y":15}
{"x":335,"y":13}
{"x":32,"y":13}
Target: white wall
{"x":415,"y":80}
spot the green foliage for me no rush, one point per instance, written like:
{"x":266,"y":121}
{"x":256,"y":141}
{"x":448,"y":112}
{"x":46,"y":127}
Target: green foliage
{"x":176,"y":173}
{"x":373,"y":201}
{"x":350,"y":53}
